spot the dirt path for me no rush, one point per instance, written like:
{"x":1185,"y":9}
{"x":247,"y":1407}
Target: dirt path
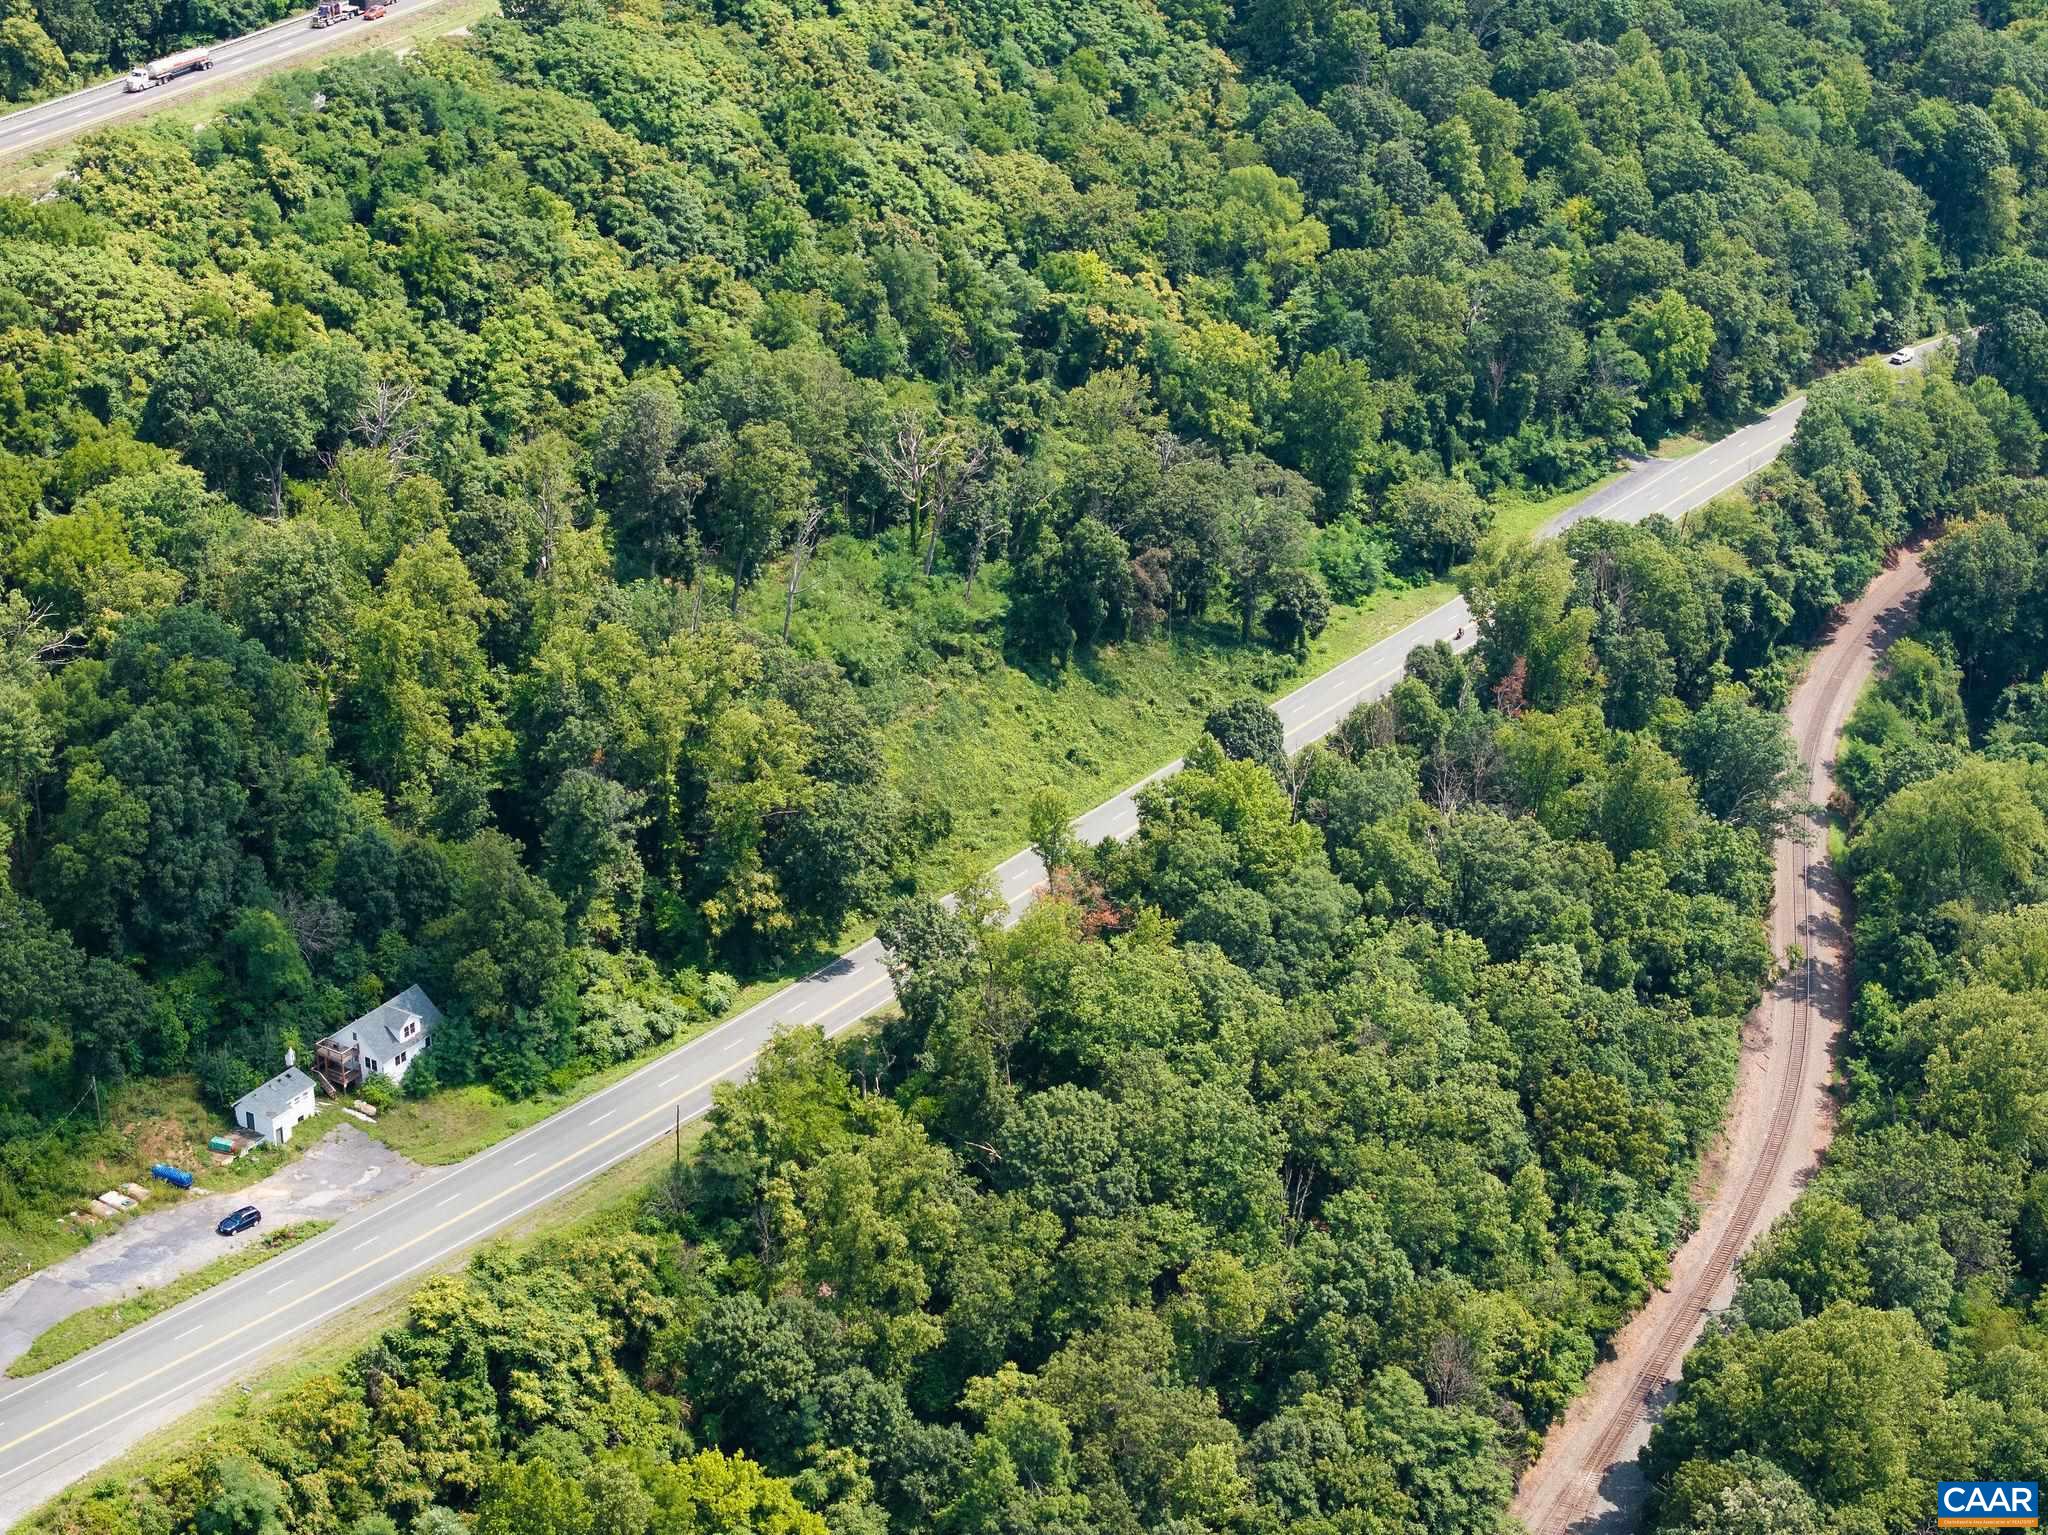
{"x":1587,"y":1479}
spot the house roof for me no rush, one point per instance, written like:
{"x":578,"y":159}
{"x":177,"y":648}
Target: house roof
{"x":273,"y":1096}
{"x":386,"y":1022}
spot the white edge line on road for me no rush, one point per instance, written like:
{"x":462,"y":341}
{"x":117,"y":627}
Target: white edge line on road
{"x":1743,"y":470}
{"x":1024,"y":867}
{"x":44,"y":122}
{"x":196,"y":1383}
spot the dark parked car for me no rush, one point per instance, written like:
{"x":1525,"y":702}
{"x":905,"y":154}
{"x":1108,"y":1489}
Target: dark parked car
{"x":239,"y":1220}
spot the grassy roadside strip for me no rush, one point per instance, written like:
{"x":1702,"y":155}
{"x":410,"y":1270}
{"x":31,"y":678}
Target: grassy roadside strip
{"x":29,"y":172}
{"x":90,"y":1328}
{"x":1136,"y":709}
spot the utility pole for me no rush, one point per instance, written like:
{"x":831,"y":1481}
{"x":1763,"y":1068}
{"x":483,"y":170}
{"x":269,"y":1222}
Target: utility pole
{"x":96,"y":1104}
{"x":679,"y":1135}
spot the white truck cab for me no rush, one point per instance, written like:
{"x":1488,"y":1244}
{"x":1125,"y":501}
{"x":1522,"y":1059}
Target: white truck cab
{"x":161,"y":71}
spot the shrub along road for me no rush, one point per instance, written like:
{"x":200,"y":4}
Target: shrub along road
{"x":76,"y":1417}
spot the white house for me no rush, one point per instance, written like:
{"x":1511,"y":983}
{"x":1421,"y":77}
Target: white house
{"x":276,"y":1106}
{"x":386,"y":1040}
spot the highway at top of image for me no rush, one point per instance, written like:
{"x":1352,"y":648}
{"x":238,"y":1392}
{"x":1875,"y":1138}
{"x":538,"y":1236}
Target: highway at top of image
{"x":64,"y":117}
{"x":57,"y":1426}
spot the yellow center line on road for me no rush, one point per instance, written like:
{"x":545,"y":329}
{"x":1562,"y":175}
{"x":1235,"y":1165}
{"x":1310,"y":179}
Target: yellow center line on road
{"x":1345,"y":703}
{"x":1741,"y":470}
{"x":482,"y":1204}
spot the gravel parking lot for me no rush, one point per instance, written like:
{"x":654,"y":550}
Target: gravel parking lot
{"x":346,"y":1168}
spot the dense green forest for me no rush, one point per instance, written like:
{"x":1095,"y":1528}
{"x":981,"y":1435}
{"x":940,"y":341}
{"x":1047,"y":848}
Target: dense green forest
{"x":412,"y":482}
{"x":1889,"y":1331}
{"x":1283,"y":1170}
{"x":382,"y":466}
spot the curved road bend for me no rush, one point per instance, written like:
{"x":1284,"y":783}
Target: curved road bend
{"x":64,"y":117}
{"x":1587,"y":1478}
{"x":60,"y":1425}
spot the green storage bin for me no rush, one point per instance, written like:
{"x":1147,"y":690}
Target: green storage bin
{"x":221,"y":1143}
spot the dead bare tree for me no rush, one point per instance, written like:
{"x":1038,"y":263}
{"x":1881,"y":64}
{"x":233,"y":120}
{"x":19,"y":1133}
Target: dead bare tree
{"x":707,"y":558}
{"x":871,"y":1061}
{"x":906,"y":460}
{"x":317,"y":923}
{"x":1292,"y":772}
{"x":1173,"y":449}
{"x":386,"y":421}
{"x":548,"y":482}
{"x":1449,"y":1374}
{"x":23,"y":633}
{"x":1298,"y":1178}
{"x":800,"y":556}
{"x":1444,"y":781}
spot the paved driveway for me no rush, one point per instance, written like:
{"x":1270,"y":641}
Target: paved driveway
{"x":346,"y":1168}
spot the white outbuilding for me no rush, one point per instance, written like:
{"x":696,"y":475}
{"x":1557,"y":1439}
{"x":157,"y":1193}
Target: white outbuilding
{"x":274,"y":1108}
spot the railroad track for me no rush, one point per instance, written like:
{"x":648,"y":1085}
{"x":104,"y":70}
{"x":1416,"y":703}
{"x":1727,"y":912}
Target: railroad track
{"x":1843,"y":657}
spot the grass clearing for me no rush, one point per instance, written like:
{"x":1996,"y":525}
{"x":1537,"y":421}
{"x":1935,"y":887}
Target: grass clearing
{"x":1683,"y":446}
{"x":457,"y":1122}
{"x":1524,"y":516}
{"x":88,"y":1329}
{"x":966,"y":728}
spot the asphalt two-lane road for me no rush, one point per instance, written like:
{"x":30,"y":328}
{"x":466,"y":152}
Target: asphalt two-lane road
{"x":50,"y":122}
{"x":57,"y":1426}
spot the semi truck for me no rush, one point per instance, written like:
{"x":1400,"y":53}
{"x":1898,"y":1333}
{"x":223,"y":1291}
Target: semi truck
{"x":332,"y":11}
{"x":163,"y":71}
